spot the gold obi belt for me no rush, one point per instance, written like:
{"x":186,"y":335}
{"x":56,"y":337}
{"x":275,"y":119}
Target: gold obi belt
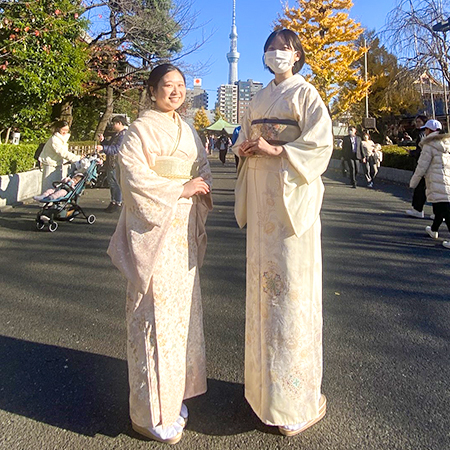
{"x":175,"y":168}
{"x":275,"y":131}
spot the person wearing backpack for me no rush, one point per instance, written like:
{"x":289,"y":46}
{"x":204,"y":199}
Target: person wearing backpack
{"x":54,"y":154}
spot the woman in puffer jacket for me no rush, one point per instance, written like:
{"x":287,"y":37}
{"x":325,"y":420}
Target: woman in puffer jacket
{"x":54,"y":153}
{"x":434,"y":165}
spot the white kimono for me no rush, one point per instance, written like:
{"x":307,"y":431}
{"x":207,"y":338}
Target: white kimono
{"x":279,"y":198}
{"x":159,"y":245}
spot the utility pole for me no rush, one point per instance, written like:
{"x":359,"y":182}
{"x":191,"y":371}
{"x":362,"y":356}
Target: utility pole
{"x":365,"y":79}
{"x":443,"y":27}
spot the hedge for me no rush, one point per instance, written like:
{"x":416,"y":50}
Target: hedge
{"x":20,"y":158}
{"x":393,"y":156}
{"x":16,"y":158}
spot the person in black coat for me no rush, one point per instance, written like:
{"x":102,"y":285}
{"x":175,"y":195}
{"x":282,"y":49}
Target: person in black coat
{"x":419,"y":194}
{"x":352,"y":152}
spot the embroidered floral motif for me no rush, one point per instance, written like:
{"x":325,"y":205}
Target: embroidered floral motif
{"x":273,"y":284}
{"x":269,"y":131}
{"x":293,"y":382}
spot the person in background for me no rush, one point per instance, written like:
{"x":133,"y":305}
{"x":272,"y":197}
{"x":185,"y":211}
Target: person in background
{"x":419,"y":196}
{"x":224,"y":144}
{"x":352,"y":152}
{"x":110,"y":148}
{"x":159,"y":245}
{"x":434,"y":165}
{"x":284,"y":145}
{"x":55,"y":153}
{"x":368,"y":161}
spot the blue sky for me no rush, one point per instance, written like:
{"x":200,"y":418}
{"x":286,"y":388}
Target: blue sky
{"x":254,"y":19}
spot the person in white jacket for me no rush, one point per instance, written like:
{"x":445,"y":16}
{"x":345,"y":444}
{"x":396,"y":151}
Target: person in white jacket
{"x":54,"y":153}
{"x":434,"y":165}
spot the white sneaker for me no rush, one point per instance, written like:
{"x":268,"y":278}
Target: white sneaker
{"x":433,"y":234}
{"x":446,"y":244}
{"x":414,"y":213}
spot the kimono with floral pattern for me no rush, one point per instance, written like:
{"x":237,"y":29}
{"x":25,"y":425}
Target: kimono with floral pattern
{"x":279,"y":198}
{"x":159,"y":245}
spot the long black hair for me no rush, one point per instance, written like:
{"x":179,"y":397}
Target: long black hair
{"x":291,"y":38}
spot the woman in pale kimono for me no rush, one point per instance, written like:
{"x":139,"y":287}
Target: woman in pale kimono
{"x":284,"y":146}
{"x":159,"y":245}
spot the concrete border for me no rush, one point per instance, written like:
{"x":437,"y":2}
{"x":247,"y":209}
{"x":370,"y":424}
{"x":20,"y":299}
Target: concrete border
{"x":398,"y":176}
{"x":19,"y":187}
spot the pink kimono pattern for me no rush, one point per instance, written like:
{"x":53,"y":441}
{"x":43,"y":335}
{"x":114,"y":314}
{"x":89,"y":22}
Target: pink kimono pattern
{"x":159,"y":245}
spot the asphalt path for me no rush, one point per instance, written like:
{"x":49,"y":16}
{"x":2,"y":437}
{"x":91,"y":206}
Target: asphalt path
{"x":63,"y":375}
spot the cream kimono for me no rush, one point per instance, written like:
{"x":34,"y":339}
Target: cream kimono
{"x":159,"y":245}
{"x":279,"y":198}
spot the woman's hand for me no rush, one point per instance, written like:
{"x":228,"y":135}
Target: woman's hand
{"x":259,"y":147}
{"x":196,"y":186}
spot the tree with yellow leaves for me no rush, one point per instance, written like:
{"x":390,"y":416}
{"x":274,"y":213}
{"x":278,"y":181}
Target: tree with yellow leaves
{"x":201,"y":120}
{"x":329,"y":36}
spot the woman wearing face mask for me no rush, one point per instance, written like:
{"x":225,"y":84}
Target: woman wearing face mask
{"x":158,"y":246}
{"x":284,"y":146}
{"x":54,"y":153}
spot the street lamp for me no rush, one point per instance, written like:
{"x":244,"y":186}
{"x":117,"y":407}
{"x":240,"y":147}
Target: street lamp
{"x":443,"y":27}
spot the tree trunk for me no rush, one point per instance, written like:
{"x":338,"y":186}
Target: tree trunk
{"x":143,"y":101}
{"x":101,"y":127}
{"x":8,"y":131}
{"x":63,"y":111}
{"x":108,"y":111}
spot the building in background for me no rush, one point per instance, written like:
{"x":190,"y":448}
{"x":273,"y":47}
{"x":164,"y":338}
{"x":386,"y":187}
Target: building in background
{"x":246,"y":91}
{"x":197,"y":97}
{"x":234,"y":98}
{"x":227,"y":102}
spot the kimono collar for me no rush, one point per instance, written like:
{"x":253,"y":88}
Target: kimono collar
{"x":287,"y":83}
{"x":164,"y":118}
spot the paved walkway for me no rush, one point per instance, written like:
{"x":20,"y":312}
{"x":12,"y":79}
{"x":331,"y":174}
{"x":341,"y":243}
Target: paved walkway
{"x":63,"y":378}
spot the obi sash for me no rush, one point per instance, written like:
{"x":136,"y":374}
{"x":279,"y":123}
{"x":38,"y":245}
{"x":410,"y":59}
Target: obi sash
{"x":175,"y":168}
{"x":275,"y":131}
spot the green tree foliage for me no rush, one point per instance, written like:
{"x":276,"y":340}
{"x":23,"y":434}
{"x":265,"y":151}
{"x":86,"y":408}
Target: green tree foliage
{"x":393,"y":91}
{"x":42,"y":58}
{"x":132,"y":37}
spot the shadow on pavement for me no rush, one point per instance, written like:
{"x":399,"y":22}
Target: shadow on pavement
{"x":222,"y":411}
{"x":88,"y":393}
{"x":70,"y":389}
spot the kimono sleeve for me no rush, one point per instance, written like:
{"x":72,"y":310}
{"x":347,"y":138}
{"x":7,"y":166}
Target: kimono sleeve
{"x":310,"y":153}
{"x":204,"y":169}
{"x":147,"y":196}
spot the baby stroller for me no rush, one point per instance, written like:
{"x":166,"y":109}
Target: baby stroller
{"x":66,"y":207}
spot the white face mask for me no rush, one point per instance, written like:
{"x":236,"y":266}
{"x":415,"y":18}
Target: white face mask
{"x":280,"y":61}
